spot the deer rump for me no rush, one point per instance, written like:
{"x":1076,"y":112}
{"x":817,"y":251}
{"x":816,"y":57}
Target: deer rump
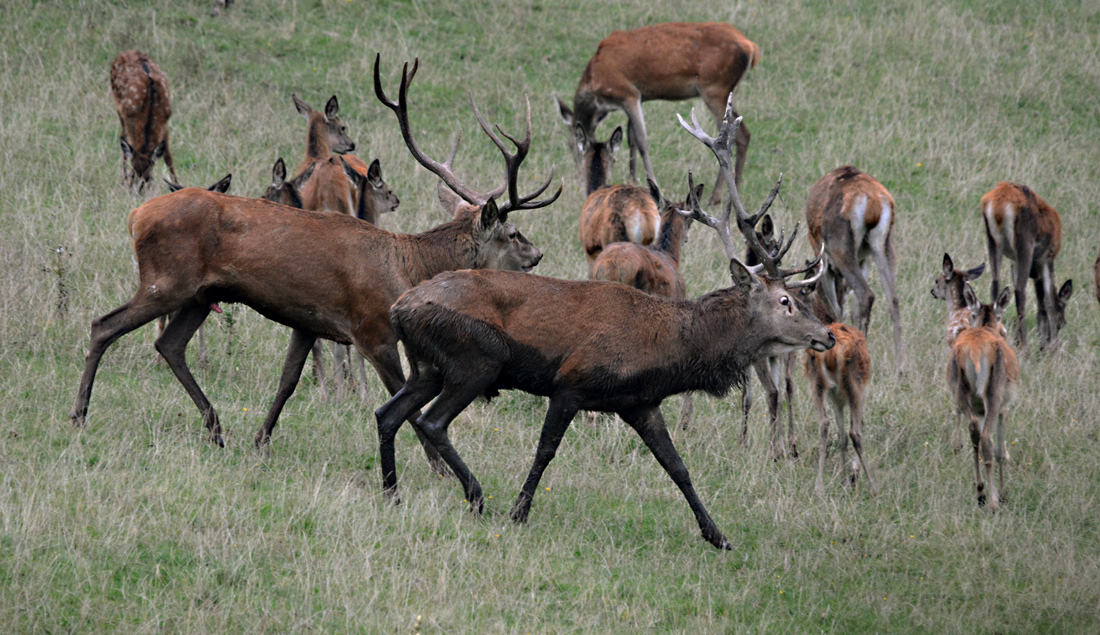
{"x":508,"y":326}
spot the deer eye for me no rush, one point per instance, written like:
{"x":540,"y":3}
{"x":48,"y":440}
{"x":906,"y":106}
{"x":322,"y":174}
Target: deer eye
{"x":785,"y":301}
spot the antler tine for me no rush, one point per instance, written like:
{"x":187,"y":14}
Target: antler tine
{"x":401,"y":109}
{"x":722,"y":147}
{"x":785,"y":247}
{"x":819,"y":262}
{"x":512,"y":162}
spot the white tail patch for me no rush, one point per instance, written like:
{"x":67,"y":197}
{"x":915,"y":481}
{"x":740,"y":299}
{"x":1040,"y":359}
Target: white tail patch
{"x":1003,"y":233}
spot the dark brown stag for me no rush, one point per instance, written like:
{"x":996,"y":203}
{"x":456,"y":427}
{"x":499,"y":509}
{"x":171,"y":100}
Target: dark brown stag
{"x":472,"y":333}
{"x":671,"y":61}
{"x":324,"y":275}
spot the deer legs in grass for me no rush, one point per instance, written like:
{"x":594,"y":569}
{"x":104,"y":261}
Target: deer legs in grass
{"x":772,"y":373}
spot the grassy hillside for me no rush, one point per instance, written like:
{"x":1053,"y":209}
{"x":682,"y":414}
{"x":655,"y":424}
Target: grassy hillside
{"x":137,"y":524}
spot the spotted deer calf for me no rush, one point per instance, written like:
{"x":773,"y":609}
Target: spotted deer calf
{"x":140,"y":91}
{"x":982,"y":374}
{"x":840,"y":376}
{"x":654,"y":269}
{"x":852,"y":215}
{"x":1021,"y":225}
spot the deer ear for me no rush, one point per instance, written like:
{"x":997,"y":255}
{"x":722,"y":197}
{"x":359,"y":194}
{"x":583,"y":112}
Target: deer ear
{"x":127,"y":149}
{"x":222,"y":185}
{"x":278,"y":173}
{"x":1002,"y":300}
{"x":948,"y":267}
{"x":565,"y":111}
{"x":971,"y":298}
{"x":304,"y":176}
{"x":655,"y":193}
{"x":448,"y":199}
{"x":173,"y":187}
{"x":490,"y":214}
{"x":767,"y":227}
{"x":616,"y":139}
{"x":332,"y":107}
{"x":158,"y":151}
{"x":1066,"y":291}
{"x":976,"y":272}
{"x":301,"y":106}
{"x":353,"y":176}
{"x":741,"y":276}
{"x":374,"y":173}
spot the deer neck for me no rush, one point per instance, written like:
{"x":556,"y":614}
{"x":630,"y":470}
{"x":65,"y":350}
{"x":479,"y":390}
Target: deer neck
{"x":671,"y":239}
{"x":317,"y":146}
{"x":716,"y":344}
{"x":447,"y":247}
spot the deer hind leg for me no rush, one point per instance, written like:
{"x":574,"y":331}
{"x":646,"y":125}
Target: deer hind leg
{"x":636,"y":135}
{"x":822,"y":436}
{"x":457,"y":394}
{"x":172,"y":346}
{"x":361,"y":370}
{"x":319,"y":368}
{"x":1021,"y":270}
{"x":838,"y":404}
{"x":559,"y":414}
{"x":887,"y":265}
{"x":976,"y":442}
{"x":792,"y":432}
{"x":770,"y":379}
{"x":106,"y":330}
{"x":168,"y":159}
{"x":746,"y":407}
{"x":650,"y":425}
{"x":300,"y":344}
{"x":856,"y":434}
{"x":424,"y":384}
{"x":341,"y":367}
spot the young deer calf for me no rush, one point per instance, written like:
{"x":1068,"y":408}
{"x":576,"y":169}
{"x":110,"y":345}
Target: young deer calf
{"x":982,"y":374}
{"x":140,"y":92}
{"x":654,"y":269}
{"x":841,"y":375}
{"x":1021,"y":225}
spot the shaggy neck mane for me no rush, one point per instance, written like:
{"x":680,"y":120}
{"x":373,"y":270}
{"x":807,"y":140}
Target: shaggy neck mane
{"x":446,"y":247}
{"x":719,"y":344}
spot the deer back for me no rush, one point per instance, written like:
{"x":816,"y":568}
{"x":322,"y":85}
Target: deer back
{"x":1013,"y":213}
{"x":142,"y":101}
{"x":845,"y":369}
{"x":617,"y":213}
{"x":847,"y":206}
{"x":330,"y":189}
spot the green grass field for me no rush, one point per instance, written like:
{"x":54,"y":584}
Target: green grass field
{"x":137,"y":524}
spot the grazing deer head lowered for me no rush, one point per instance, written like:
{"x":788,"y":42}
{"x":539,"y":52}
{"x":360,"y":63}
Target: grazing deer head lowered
{"x":140,"y":92}
{"x":473,"y":333}
{"x":323,"y":275}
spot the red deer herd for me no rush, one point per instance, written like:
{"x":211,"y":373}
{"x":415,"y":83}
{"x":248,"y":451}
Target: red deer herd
{"x":310,"y":254}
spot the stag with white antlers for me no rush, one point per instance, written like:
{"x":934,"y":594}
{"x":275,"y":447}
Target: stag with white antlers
{"x":473,"y":333}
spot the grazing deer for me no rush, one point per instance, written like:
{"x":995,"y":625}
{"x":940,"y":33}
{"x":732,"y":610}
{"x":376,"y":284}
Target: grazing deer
{"x":841,"y":375}
{"x":852,"y":216}
{"x":472,"y":333}
{"x":323,"y":275}
{"x":654,"y":269}
{"x":611,"y":213}
{"x":982,"y":374}
{"x":671,"y":61}
{"x":140,"y":92}
{"x":949,"y":287}
{"x":1022,"y":226}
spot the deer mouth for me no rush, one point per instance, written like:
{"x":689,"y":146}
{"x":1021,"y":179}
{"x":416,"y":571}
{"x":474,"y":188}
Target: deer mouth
{"x":823,"y":345}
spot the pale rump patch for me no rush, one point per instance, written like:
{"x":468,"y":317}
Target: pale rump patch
{"x":1001,"y":222}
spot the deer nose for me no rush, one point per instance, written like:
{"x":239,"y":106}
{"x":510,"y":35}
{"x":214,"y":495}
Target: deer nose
{"x":351,"y":148}
{"x":832,"y":339}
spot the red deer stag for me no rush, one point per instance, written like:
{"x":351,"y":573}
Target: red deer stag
{"x":1022,"y":226}
{"x":654,"y":269}
{"x":852,"y":216}
{"x":472,"y":333}
{"x":983,"y":374}
{"x":671,"y":61}
{"x":949,"y":287}
{"x":140,"y":91}
{"x":611,"y":213}
{"x":323,"y":275}
{"x":841,"y":376}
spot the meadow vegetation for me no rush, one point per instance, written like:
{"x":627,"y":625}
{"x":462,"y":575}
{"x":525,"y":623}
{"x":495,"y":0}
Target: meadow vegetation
{"x":136,"y":523}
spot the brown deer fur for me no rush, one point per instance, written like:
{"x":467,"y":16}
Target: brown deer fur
{"x":142,"y":101}
{"x":324,"y":275}
{"x":473,"y":333}
{"x":852,"y":214}
{"x":1021,"y":225}
{"x":653,"y":269}
{"x":982,"y":374}
{"x":670,"y":61}
{"x":841,"y":376}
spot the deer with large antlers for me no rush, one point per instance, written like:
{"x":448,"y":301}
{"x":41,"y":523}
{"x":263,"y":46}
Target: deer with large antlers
{"x":472,"y":333}
{"x":323,"y":275}
{"x":983,"y":374}
{"x":851,"y":216}
{"x":654,"y":269}
{"x":140,"y":92}
{"x":671,"y":61}
{"x":1021,"y":225}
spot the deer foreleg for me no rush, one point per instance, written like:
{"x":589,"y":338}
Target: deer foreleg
{"x":887,"y":265}
{"x":636,"y":135}
{"x":822,"y":436}
{"x":976,"y":441}
{"x":651,"y":427}
{"x":792,"y":433}
{"x":746,"y":406}
{"x":172,"y":346}
{"x":319,"y":368}
{"x":856,"y":434}
{"x":452,"y":400}
{"x":559,"y":415}
{"x":300,"y":344}
{"x":687,"y":408}
{"x":168,"y":159}
{"x":422,"y":387}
